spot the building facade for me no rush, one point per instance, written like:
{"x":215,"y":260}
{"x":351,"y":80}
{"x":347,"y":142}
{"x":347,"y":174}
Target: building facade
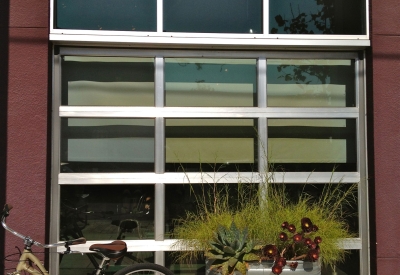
{"x":113,"y":109}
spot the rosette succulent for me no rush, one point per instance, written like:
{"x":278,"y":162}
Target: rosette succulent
{"x":230,"y":250}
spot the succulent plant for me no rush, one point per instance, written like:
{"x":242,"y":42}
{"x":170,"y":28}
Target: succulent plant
{"x":230,"y":250}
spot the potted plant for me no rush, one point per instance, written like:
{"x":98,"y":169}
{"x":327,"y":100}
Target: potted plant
{"x":275,"y":227}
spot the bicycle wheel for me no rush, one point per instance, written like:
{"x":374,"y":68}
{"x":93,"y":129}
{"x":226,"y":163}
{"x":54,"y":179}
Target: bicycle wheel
{"x":144,"y":268}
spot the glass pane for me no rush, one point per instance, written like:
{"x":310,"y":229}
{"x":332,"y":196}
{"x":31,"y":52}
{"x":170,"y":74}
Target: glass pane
{"x":107,"y":81}
{"x":121,"y":15}
{"x":312,"y":144}
{"x":210,"y":82}
{"x":107,"y":212}
{"x":107,"y":145}
{"x":317,"y":17}
{"x":183,"y":198}
{"x":192,"y":266}
{"x":211,"y":16}
{"x":311,"y":83}
{"x":211,"y":144}
{"x":73,"y":264}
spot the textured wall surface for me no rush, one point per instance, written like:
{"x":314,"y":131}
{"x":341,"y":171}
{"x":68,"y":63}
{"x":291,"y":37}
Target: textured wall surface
{"x":385,"y":71}
{"x":27,"y":121}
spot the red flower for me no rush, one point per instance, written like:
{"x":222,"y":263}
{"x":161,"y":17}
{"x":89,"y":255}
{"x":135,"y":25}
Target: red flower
{"x":270,"y":251}
{"x":307,"y":241}
{"x":306,"y":225}
{"x":276,"y":269}
{"x":293,"y":266}
{"x":318,"y":240}
{"x":291,"y":228}
{"x":313,"y":255}
{"x":285,"y":225}
{"x":283,"y":236}
{"x":297,"y":237}
{"x":281,"y":261}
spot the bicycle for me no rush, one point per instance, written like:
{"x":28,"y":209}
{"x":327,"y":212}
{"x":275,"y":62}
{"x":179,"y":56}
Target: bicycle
{"x":108,"y":252}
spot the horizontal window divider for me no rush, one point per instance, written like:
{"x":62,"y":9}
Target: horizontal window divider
{"x":206,"y":177}
{"x":207,"y":112}
{"x":204,"y":53}
{"x":169,"y":245}
{"x":254,"y":42}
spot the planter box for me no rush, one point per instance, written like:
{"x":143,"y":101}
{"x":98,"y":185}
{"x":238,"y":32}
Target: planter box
{"x":303,"y":268}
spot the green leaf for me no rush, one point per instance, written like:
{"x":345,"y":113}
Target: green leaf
{"x":241,"y":267}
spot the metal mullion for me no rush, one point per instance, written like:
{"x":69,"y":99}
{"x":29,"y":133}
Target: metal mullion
{"x":55,"y":162}
{"x":202,"y":53}
{"x":362,"y":166}
{"x":237,"y":112}
{"x":262,"y":121}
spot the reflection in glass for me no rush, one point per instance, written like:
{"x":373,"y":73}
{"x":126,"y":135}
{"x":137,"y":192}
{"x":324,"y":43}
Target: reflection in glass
{"x":107,"y":81}
{"x":317,"y":17}
{"x":210,"y":82}
{"x":210,"y":16}
{"x":107,"y":212}
{"x":310,"y":83}
{"x":76,"y":263}
{"x":181,"y":199}
{"x":210,"y":144}
{"x":107,"y":145}
{"x":118,"y":15}
{"x":312,"y":144}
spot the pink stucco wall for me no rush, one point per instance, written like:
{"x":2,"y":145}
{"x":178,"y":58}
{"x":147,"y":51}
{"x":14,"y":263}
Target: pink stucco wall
{"x":385,"y":71}
{"x":27,"y":120}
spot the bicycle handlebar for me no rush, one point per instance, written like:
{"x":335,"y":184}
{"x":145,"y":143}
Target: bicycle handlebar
{"x":28,"y":241}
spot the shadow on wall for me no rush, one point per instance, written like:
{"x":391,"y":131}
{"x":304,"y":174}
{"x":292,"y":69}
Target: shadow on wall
{"x":4,"y":18}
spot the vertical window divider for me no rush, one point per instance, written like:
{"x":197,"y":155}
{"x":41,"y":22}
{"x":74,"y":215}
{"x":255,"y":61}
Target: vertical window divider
{"x":265,"y":17}
{"x":160,"y":17}
{"x":262,"y":121}
{"x":159,"y":138}
{"x":55,"y":161}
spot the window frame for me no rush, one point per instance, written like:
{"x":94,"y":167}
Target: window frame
{"x":159,"y":178}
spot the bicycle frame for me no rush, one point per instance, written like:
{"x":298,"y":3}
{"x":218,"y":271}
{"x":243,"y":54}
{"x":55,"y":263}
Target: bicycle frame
{"x":27,"y":255}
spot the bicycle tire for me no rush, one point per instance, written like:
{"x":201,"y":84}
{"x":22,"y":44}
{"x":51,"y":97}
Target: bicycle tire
{"x":144,"y":268}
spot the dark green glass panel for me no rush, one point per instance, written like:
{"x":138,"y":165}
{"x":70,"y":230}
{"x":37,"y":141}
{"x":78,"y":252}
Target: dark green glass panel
{"x":317,"y":17}
{"x":118,"y":15}
{"x":213,"y":16}
{"x":107,"y":212}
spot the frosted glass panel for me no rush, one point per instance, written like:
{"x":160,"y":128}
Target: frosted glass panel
{"x":107,"y":81}
{"x":312,"y":144}
{"x":107,"y":145}
{"x":201,"y":82}
{"x":310,"y":83}
{"x":207,"y":144}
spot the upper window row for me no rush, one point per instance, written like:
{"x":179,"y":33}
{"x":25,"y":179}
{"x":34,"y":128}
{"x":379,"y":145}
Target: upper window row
{"x":207,"y":82}
{"x":335,"y":17}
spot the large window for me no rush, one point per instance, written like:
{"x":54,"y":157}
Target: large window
{"x":134,"y":129}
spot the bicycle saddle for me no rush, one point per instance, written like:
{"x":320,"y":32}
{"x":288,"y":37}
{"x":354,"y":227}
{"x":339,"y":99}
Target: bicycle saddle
{"x":113,"y":250}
